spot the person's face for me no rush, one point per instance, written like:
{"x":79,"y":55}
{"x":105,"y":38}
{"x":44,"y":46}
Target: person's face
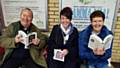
{"x":97,"y":24}
{"x":65,"y":21}
{"x":26,"y":18}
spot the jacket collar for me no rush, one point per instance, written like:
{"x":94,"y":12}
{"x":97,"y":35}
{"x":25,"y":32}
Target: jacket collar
{"x":104,"y":31}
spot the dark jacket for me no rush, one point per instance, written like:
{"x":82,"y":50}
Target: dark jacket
{"x":7,"y":40}
{"x":56,"y":42}
{"x":87,"y":53}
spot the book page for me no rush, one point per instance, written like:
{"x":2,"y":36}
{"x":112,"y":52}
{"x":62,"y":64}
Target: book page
{"x":95,"y":42}
{"x":107,"y":41}
{"x":57,"y":56}
{"x":27,"y":38}
{"x":23,"y":36}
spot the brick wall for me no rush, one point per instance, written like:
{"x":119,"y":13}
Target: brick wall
{"x":53,"y":13}
{"x":116,"y":42}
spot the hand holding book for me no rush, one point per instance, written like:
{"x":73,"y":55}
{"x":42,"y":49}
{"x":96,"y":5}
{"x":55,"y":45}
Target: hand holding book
{"x":28,"y":39}
{"x":57,"y":55}
{"x":60,"y":54}
{"x":96,"y":42}
{"x":99,"y":51}
{"x":36,"y":41}
{"x":18,"y":39}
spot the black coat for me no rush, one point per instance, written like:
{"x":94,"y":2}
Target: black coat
{"x":56,"y":42}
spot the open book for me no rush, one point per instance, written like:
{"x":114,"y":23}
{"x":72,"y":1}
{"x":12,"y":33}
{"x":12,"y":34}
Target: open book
{"x":96,"y":42}
{"x":27,"y":38}
{"x":57,"y":56}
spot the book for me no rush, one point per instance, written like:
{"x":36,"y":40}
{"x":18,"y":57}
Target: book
{"x":96,"y":42}
{"x":27,"y":38}
{"x":57,"y":55}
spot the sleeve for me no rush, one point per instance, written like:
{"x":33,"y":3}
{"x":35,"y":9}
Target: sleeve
{"x":108,"y":52}
{"x":72,"y":45}
{"x":7,"y":40}
{"x":84,"y":52}
{"x":52,"y":40}
{"x":107,"y":55}
{"x":43,"y":39}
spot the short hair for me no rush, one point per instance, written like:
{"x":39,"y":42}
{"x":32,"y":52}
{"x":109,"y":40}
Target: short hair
{"x":26,"y":9}
{"x":67,"y":12}
{"x":97,"y":13}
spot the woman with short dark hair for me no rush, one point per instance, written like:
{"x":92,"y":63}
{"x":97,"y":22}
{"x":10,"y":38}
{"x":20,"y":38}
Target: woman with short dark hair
{"x":63,"y":43}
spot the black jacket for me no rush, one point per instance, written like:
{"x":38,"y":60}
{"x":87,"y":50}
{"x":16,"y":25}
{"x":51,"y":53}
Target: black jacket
{"x":56,"y":42}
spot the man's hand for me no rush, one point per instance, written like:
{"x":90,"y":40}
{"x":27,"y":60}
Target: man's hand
{"x":95,"y":51}
{"x":18,"y":39}
{"x":99,"y":51}
{"x":36,"y":41}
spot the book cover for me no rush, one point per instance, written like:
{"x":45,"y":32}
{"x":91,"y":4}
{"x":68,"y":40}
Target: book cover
{"x":57,"y":55}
